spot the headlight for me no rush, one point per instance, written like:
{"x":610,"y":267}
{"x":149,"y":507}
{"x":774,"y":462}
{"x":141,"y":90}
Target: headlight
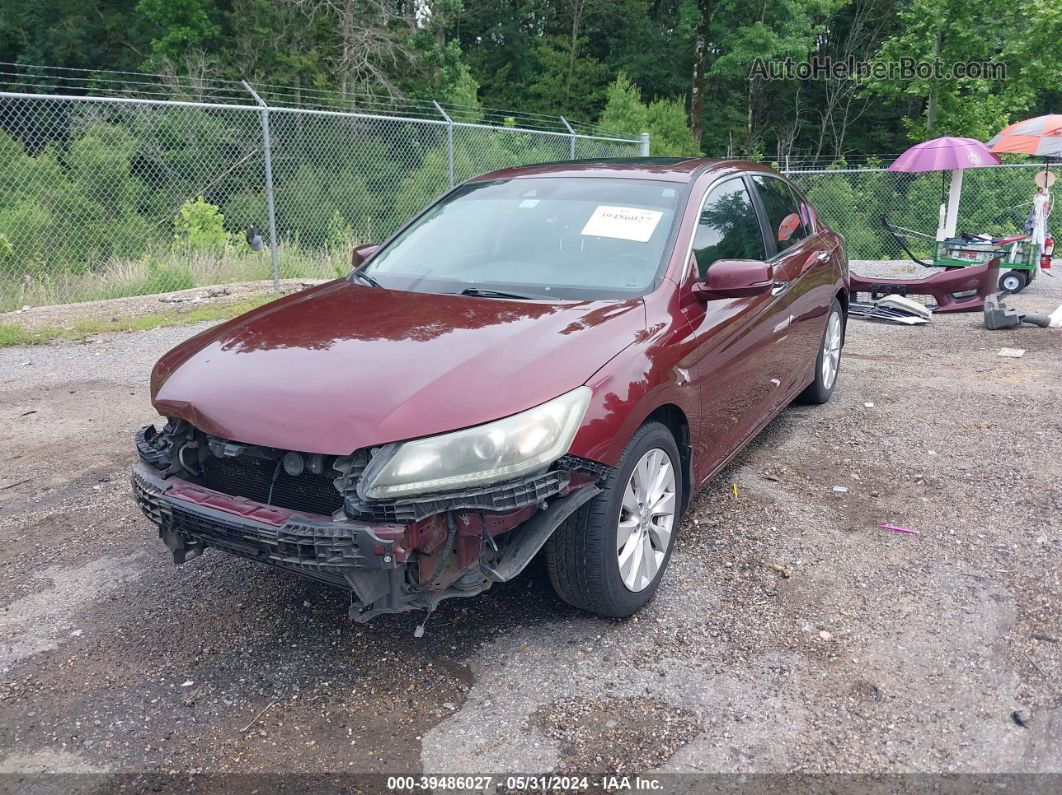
{"x":488,"y":453}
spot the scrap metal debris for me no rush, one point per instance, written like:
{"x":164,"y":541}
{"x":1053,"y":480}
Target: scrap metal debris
{"x":998,"y":316}
{"x":890,"y":310}
{"x":1011,"y":353}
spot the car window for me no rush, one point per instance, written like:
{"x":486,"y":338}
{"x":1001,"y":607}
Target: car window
{"x":783,"y":217}
{"x":541,"y":237}
{"x":728,"y":227}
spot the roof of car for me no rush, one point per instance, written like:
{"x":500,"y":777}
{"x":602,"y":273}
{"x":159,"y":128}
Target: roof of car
{"x":672,"y":169}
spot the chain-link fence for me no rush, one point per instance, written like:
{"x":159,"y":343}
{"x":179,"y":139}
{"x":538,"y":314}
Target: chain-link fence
{"x":109,"y":196}
{"x":103,"y":197}
{"x":995,"y":201}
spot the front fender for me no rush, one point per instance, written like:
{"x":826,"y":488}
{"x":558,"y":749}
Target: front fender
{"x":630,"y":388}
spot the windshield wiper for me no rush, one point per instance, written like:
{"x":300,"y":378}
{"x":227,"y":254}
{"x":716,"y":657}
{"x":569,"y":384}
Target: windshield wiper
{"x":482,"y":293}
{"x":367,"y":279}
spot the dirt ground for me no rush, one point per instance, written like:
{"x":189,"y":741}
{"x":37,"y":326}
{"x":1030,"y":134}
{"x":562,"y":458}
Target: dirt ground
{"x":790,"y":634}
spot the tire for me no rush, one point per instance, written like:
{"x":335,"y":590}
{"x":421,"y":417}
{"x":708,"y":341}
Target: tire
{"x":1013,"y":281}
{"x":583,"y":554}
{"x":819,"y":390}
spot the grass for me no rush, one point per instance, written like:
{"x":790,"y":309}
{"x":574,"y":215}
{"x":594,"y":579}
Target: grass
{"x":13,"y":334}
{"x":162,"y":270}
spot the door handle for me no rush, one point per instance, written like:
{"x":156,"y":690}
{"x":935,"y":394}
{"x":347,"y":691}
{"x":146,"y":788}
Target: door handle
{"x":779,"y":288}
{"x":817,"y":258}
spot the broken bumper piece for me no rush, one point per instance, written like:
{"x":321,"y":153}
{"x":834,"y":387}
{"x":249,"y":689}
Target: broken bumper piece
{"x":958,"y":290}
{"x":191,"y":518}
{"x":451,"y":555}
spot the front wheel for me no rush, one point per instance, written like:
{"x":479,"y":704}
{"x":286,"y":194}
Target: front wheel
{"x":828,"y":361}
{"x":609,"y":557}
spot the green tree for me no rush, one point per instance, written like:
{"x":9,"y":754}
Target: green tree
{"x":664,"y":119}
{"x":1023,"y":38}
{"x":552,"y":89}
{"x":182,"y":25}
{"x":106,"y":34}
{"x":199,"y":225}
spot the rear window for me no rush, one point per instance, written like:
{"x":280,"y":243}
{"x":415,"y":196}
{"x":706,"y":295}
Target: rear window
{"x":784,"y":219}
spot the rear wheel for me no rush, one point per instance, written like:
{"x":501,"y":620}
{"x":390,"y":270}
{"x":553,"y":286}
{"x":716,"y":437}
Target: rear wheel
{"x":828,"y":361}
{"x":609,"y":557}
{"x":1013,"y":281}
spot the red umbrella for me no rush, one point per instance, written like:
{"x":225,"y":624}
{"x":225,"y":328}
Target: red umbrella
{"x":1040,"y":136}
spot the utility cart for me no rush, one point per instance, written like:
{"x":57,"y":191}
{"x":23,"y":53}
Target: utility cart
{"x":1019,"y":258}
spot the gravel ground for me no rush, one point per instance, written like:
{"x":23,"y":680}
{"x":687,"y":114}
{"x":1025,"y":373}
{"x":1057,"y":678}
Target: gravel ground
{"x":791,"y":634}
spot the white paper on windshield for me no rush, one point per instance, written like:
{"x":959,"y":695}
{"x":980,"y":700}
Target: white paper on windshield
{"x":623,"y":223}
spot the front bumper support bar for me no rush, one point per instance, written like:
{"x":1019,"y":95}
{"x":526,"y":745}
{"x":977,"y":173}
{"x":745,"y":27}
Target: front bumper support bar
{"x":298,"y":541}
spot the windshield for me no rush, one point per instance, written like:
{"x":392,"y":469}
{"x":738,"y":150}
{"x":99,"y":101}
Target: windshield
{"x":581,"y":238}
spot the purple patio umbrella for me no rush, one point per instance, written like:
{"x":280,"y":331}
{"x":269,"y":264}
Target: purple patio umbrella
{"x":946,"y":154}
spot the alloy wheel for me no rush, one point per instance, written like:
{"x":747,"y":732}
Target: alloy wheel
{"x":831,"y":350}
{"x":646,"y":520}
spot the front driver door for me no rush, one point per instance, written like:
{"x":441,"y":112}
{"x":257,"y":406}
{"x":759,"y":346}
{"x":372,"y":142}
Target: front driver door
{"x":738,"y":358}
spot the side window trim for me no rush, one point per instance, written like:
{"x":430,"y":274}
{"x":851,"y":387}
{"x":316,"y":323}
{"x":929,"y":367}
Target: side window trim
{"x":769,"y":245}
{"x":801,"y":199}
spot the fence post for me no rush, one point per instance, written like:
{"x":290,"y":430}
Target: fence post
{"x":571,"y":139}
{"x":449,"y":141}
{"x":270,"y":209}
{"x":645,"y":145}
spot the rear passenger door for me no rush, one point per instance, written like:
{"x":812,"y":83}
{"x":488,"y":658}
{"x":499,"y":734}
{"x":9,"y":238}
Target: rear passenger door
{"x":802,"y":266}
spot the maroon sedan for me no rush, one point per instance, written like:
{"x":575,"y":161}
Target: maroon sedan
{"x":551,"y":357}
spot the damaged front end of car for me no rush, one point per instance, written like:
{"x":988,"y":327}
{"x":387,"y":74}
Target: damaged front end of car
{"x":323,"y":516}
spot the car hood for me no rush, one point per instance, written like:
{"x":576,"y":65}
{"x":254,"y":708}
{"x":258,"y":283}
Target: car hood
{"x":340,"y":366}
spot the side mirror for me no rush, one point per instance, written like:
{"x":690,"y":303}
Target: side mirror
{"x":735,"y":278}
{"x":362,"y":253}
